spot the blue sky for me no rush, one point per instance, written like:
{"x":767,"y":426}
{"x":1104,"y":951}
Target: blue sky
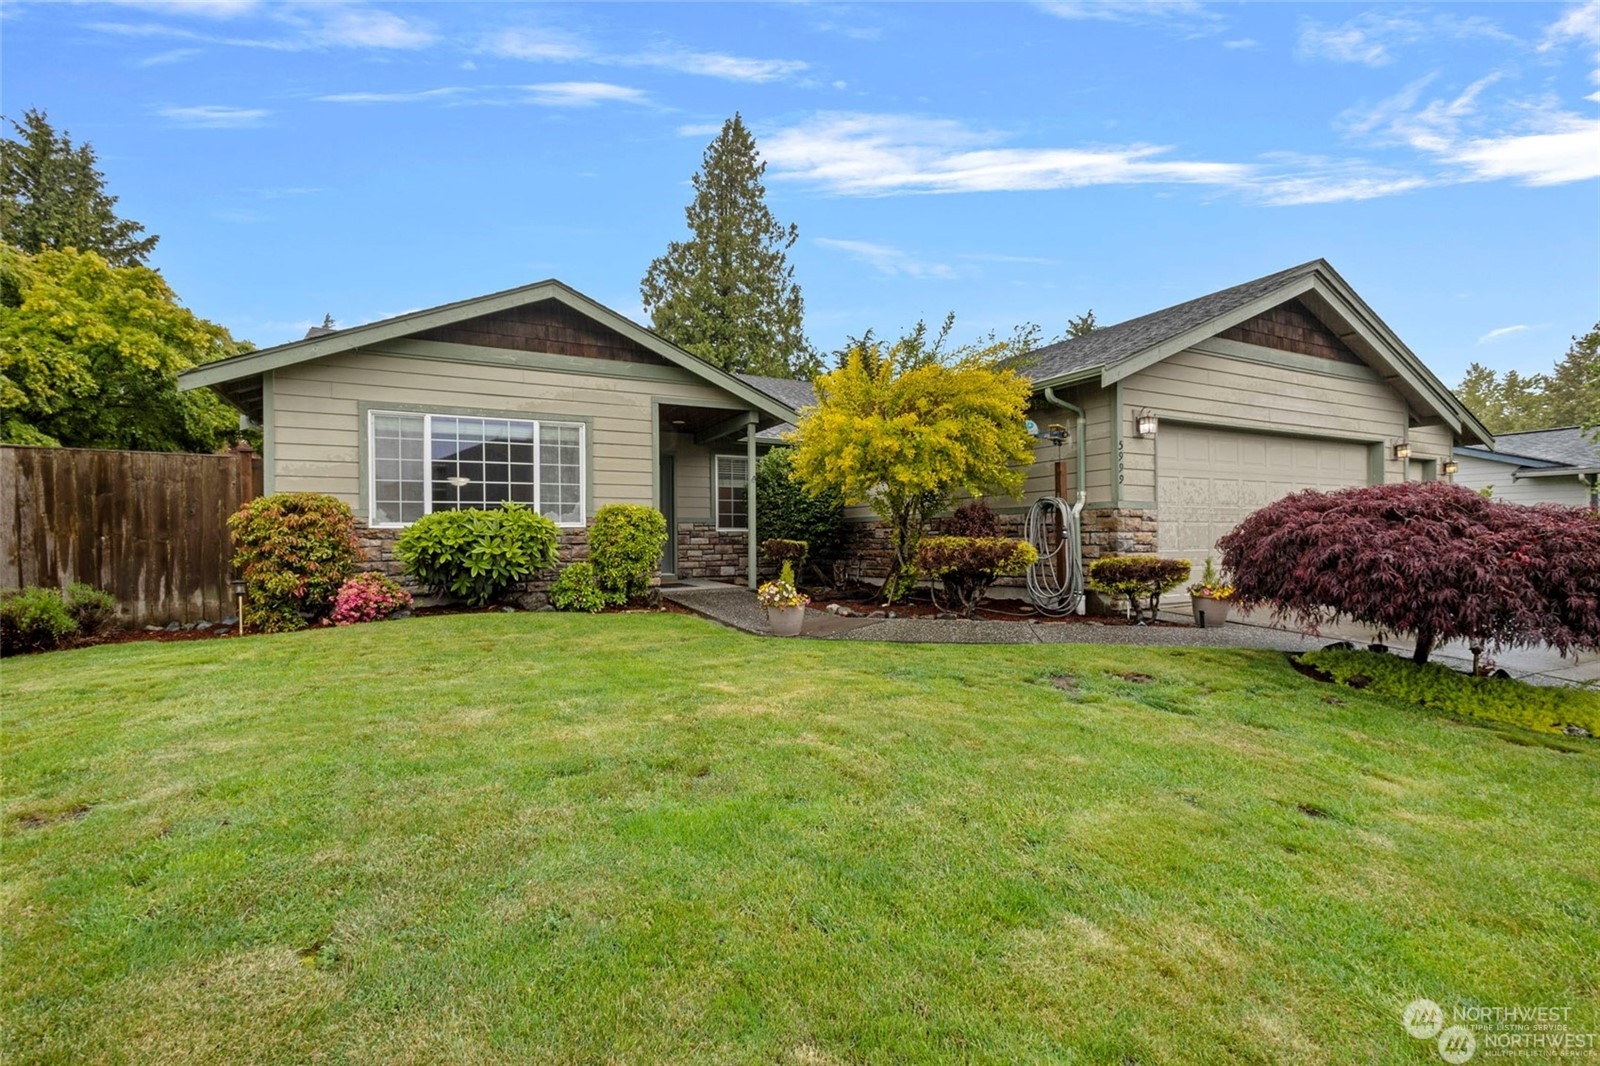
{"x":1010,"y":162}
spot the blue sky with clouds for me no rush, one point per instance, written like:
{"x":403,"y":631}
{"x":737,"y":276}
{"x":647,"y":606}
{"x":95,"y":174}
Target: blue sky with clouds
{"x":1010,"y":162}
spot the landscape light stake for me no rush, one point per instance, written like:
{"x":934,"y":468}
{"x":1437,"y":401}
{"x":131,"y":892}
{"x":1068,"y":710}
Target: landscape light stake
{"x":237,"y":586}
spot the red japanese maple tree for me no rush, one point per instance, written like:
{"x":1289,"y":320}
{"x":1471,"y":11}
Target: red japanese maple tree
{"x":1430,"y":560}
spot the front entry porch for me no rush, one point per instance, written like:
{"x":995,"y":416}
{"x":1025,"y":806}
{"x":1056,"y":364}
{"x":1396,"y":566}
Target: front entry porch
{"x":705,"y":467}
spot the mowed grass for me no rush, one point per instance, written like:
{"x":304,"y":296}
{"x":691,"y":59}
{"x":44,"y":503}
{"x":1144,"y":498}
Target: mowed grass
{"x":546,"y":838}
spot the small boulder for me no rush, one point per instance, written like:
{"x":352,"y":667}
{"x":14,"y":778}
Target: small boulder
{"x":1576,"y":731}
{"x":152,"y":629}
{"x":508,"y":609}
{"x":230,"y":621}
{"x":401,"y":614}
{"x":203,"y":625}
{"x":173,"y":627}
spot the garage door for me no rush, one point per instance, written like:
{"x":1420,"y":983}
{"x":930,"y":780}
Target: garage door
{"x":1209,"y":479}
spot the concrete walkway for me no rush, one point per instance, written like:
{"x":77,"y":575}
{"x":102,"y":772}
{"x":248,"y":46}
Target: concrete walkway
{"x":734,"y":606}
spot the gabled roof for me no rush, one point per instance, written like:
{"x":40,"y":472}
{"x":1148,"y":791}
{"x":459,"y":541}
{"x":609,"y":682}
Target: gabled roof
{"x":251,"y":364}
{"x":1115,"y":352}
{"x":1543,"y":452}
{"x":787,"y":391}
{"x":1109,"y":345}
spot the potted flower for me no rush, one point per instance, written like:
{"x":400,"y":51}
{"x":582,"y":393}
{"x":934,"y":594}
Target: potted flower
{"x":785,"y":604}
{"x":1209,"y":597}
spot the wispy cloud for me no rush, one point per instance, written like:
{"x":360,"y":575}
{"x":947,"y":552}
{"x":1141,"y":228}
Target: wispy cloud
{"x":391,"y":98}
{"x":1242,"y":43}
{"x":861,"y":154}
{"x":174,"y":55}
{"x":549,"y":45}
{"x":1372,"y":37}
{"x":851,"y":154}
{"x":1172,"y":11}
{"x":293,"y":28}
{"x":1503,"y":332}
{"x":215,"y":116}
{"x":583,"y":94}
{"x":888,"y":261}
{"x":1532,"y":141}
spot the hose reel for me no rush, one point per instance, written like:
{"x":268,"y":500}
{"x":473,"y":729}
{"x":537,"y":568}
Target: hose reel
{"x":1055,"y":580}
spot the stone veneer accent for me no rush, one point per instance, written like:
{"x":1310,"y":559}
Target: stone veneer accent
{"x":377,"y":554}
{"x":707,"y":552}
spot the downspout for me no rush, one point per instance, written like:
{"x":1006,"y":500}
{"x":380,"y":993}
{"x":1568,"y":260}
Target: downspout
{"x":1051,"y":397}
{"x":750,"y":499}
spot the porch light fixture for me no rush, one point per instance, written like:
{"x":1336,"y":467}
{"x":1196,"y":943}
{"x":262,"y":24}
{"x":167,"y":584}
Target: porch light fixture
{"x":1402,"y":450}
{"x":1451,"y":468}
{"x":1145,"y":421}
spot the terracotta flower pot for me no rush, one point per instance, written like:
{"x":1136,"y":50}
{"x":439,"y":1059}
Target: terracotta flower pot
{"x":786,"y":621}
{"x":1214,"y":611}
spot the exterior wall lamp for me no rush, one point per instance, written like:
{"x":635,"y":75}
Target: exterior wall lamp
{"x":1145,"y":421}
{"x":1451,"y":468}
{"x":1402,"y":450}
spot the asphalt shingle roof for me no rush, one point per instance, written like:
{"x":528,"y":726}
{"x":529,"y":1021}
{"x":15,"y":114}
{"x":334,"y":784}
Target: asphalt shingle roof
{"x":1112,"y":344}
{"x":1568,"y":445}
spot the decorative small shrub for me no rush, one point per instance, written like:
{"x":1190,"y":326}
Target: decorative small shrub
{"x":1430,"y":559}
{"x":477,"y":555}
{"x":94,"y":612}
{"x":969,"y":566}
{"x":1143,"y":579}
{"x":34,"y":619}
{"x":1211,"y":586}
{"x":779,"y":550}
{"x":369,"y":597}
{"x":625,"y":546}
{"x":786,"y":511}
{"x":976,"y":519}
{"x":577,"y":590}
{"x":293,"y":550}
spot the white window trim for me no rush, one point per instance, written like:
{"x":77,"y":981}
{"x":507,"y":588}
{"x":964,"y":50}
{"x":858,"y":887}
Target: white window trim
{"x":716,"y":493}
{"x":427,"y":463}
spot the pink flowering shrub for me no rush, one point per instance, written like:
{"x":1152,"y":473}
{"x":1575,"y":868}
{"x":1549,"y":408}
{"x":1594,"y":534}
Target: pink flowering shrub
{"x":368,"y":598}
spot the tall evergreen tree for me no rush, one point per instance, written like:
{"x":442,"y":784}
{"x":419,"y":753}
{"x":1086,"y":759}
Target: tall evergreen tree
{"x":728,"y":294}
{"x":1082,"y":325}
{"x":53,"y":197}
{"x":1569,"y":395}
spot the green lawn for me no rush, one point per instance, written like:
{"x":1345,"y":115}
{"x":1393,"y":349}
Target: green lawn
{"x":640,"y":838}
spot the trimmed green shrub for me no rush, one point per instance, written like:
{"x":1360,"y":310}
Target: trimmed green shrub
{"x":625,"y":546}
{"x":785,"y":511}
{"x":34,"y":619}
{"x":293,"y":550}
{"x":969,"y":566}
{"x":477,"y":555}
{"x":778,"y":550}
{"x":1143,"y":579}
{"x":95,"y":612}
{"x":1546,"y":709}
{"x":577,"y":590}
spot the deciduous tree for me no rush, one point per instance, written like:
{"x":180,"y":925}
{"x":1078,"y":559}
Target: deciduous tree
{"x":728,"y":294}
{"x":903,"y":427}
{"x":90,"y":353}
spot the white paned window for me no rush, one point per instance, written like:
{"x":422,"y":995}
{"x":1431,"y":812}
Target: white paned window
{"x":733,"y":508}
{"x":426,"y":462}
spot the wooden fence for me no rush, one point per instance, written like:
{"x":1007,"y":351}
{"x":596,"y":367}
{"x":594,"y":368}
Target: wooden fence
{"x":148,"y":527}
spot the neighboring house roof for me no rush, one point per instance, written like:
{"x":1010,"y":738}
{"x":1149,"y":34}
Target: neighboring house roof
{"x":1557,"y":452}
{"x":321,"y":345}
{"x":1112,"y":353}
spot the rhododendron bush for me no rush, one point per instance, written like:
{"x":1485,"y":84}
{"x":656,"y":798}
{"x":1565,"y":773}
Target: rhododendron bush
{"x":1430,"y":560}
{"x":369,"y":597}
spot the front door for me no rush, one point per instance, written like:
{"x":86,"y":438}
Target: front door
{"x":668,"y":503}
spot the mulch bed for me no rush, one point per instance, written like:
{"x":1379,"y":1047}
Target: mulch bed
{"x":920,"y":605}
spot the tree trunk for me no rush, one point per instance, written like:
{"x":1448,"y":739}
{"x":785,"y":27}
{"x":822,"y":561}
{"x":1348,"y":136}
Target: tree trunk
{"x":1424,"y":646}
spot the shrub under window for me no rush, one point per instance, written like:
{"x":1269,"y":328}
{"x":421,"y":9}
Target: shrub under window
{"x":625,"y":546}
{"x":476,"y":555}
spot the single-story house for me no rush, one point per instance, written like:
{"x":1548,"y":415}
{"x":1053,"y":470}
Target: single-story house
{"x":1559,"y":465}
{"x":1173,"y":425}
{"x":537,"y":394}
